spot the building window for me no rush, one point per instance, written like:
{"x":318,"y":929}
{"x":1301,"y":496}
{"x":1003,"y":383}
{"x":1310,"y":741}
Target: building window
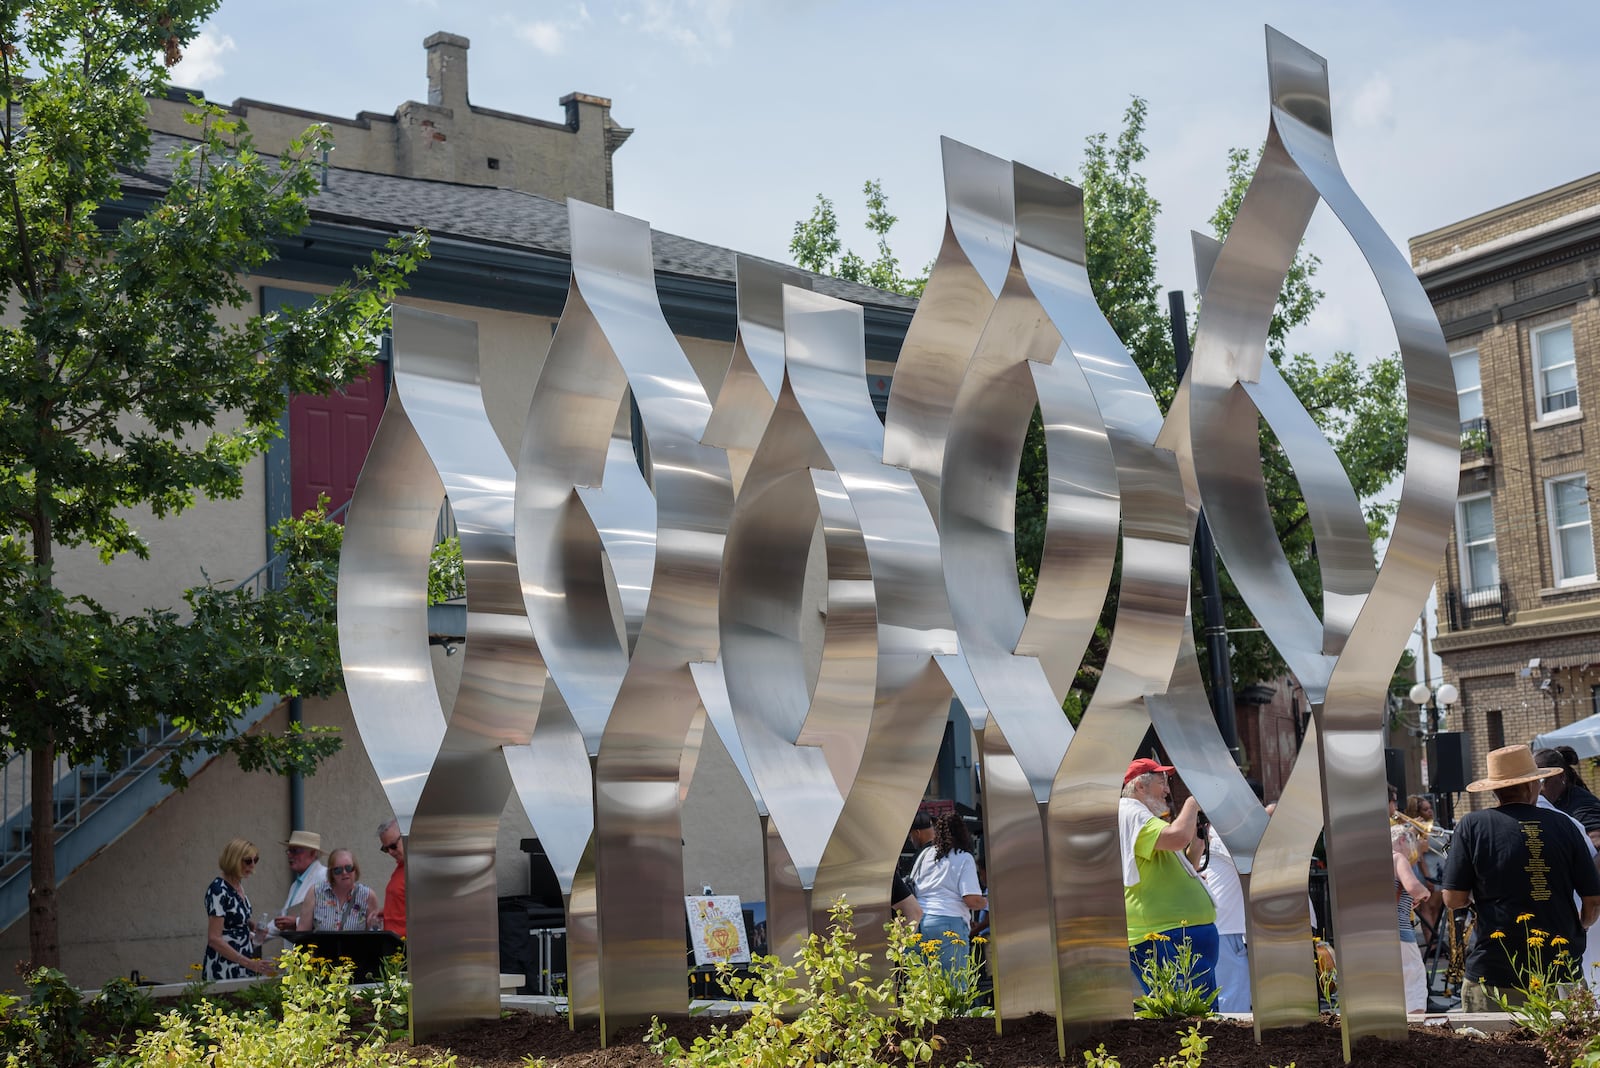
{"x":1469,"y":387}
{"x":1555,"y":369}
{"x":1480,"y":559}
{"x":1495,"y":722}
{"x":1571,"y":539}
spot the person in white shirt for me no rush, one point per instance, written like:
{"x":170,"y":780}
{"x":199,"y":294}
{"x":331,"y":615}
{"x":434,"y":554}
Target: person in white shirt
{"x":304,"y":850}
{"x":1233,"y":964}
{"x":945,"y":878}
{"x":1591,"y":949}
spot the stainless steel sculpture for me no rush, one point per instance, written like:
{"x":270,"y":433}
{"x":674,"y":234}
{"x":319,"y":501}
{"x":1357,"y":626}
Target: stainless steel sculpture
{"x":435,"y":436}
{"x":580,"y":518}
{"x":1345,"y":659}
{"x":785,"y":568}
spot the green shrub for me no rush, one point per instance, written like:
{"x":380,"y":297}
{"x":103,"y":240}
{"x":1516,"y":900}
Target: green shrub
{"x":837,"y":1015}
{"x":1172,"y":994}
{"x":312,"y":1032}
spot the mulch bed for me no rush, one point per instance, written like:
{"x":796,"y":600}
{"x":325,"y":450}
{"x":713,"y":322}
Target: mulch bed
{"x":1029,"y":1043}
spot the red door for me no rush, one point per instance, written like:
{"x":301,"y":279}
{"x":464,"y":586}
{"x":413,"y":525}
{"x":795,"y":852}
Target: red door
{"x":329,"y":437}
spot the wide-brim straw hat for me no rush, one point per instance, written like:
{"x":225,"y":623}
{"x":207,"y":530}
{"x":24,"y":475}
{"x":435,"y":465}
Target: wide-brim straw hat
{"x":306,"y":840}
{"x":1508,"y":767}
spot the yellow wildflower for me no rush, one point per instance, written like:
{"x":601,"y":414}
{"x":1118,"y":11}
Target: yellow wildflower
{"x":1533,"y":984}
{"x":1525,"y":917}
{"x":950,"y":934}
{"x":979,"y":940}
{"x":1539,"y":933}
{"x":1535,"y":942}
{"x":1558,"y":941}
{"x":1498,"y":934}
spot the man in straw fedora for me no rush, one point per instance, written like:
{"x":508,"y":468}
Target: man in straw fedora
{"x":304,"y":852}
{"x":1518,"y":866}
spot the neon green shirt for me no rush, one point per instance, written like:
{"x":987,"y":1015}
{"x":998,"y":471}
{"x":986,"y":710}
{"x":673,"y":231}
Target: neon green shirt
{"x":1167,"y":894}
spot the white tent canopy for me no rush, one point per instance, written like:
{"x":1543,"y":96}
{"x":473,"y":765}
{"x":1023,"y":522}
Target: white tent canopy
{"x":1583,"y":736}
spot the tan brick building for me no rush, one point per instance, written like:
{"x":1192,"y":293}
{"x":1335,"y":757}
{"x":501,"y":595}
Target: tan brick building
{"x":447,"y":139}
{"x":1519,"y":600}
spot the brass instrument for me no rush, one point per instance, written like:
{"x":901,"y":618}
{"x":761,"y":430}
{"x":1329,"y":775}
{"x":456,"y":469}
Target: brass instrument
{"x":1436,"y":837}
{"x":1459,"y":933}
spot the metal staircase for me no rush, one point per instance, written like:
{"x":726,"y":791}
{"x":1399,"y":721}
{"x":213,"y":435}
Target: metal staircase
{"x":97,"y":803}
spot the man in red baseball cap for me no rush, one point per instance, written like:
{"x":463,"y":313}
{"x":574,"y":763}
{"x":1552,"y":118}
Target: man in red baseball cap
{"x":1167,"y":903}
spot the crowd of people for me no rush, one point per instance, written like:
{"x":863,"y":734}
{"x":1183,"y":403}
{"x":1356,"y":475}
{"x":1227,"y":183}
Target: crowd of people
{"x":322,"y":897}
{"x":1525,"y":871}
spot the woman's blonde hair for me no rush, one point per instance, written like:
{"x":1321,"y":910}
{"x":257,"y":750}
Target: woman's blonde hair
{"x":232,"y":859}
{"x":353,"y":861}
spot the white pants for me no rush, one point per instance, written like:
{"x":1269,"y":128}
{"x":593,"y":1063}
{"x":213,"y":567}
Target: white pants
{"x":1415,"y":976}
{"x":1233,"y":974}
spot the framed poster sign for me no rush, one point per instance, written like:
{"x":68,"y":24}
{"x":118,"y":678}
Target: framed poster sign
{"x":716,"y":929}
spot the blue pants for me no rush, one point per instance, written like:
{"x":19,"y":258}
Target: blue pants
{"x":1203,"y":940}
{"x":952,"y":954}
{"x":1233,"y":974}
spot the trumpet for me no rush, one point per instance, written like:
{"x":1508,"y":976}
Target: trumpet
{"x":1426,"y":828}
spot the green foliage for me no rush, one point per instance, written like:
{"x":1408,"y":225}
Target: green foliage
{"x":916,"y":961}
{"x":447,"y":577}
{"x":1359,"y":405}
{"x":45,"y":1031}
{"x":312,"y":1032}
{"x":835,"y":1015}
{"x":1554,"y":1005}
{"x":816,"y":246}
{"x":134,"y":382}
{"x":388,"y":1000}
{"x":1172,"y":994}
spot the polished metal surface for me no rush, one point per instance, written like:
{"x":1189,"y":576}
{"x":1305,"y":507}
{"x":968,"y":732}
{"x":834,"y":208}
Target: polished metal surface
{"x":629,"y":689}
{"x":905,"y":601}
{"x":1022,"y":664}
{"x":436,"y":441}
{"x":1344,"y":659}
{"x":1083,"y":852}
{"x":660,"y":557}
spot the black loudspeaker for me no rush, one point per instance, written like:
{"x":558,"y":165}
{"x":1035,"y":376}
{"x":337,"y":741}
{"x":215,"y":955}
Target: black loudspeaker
{"x":1449,"y":762}
{"x":543,"y":887}
{"x":1394,"y":768}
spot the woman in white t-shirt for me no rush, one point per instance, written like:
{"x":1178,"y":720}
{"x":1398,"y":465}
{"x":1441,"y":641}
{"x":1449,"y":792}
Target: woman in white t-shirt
{"x":945,"y":878}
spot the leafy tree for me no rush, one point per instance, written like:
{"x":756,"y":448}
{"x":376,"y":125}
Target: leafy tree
{"x":132,"y":381}
{"x":1360,"y":407}
{"x":816,"y":246}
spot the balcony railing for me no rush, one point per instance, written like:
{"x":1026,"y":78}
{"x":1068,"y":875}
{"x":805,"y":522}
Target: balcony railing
{"x":1485,"y":606}
{"x":1476,"y":441}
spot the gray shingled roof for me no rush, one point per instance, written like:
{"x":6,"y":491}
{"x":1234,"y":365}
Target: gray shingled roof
{"x":503,"y":217}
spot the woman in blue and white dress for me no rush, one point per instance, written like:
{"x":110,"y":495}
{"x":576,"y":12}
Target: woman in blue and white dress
{"x":945,"y":878}
{"x":231,"y":947}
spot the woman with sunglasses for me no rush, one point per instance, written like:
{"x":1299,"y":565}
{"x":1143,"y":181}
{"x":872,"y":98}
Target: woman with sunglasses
{"x":231,"y":949}
{"x":343,"y":903}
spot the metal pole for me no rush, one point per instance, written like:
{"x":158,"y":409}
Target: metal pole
{"x":297,"y":783}
{"x":1216,"y":629}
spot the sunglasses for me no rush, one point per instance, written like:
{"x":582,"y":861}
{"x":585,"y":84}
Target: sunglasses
{"x":251,"y":860}
{"x":391,"y":847}
{"x":296,"y":850}
{"x":343,"y":869}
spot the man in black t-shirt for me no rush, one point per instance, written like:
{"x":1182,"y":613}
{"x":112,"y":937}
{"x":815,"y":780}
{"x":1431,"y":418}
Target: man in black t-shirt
{"x":1518,"y":866}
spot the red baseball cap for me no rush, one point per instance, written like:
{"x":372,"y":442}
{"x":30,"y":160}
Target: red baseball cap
{"x":1144,"y":766}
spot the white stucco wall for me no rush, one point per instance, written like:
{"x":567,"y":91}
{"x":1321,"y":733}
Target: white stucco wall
{"x":138,"y":904}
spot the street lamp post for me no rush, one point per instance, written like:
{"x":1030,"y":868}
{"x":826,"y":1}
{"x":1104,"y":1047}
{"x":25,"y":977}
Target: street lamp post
{"x":1428,"y":701}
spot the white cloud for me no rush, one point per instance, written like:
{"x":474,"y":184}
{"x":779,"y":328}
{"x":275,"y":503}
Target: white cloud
{"x":547,"y":37}
{"x":699,"y":26}
{"x":1371,"y":106}
{"x":202,"y":60}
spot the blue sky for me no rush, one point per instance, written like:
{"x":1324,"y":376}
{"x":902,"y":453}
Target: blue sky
{"x":744,"y":111}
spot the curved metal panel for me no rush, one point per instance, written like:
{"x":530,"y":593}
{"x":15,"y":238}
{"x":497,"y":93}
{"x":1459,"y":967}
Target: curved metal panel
{"x":634,"y":711}
{"x":450,"y":853}
{"x":1361,"y":636}
{"x":826,"y":371}
{"x":1083,"y":857}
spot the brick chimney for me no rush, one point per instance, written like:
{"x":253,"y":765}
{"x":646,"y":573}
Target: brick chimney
{"x":447,"y":70}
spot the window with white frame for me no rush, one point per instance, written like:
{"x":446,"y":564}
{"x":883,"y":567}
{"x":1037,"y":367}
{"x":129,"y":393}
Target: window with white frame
{"x":1555,"y":369}
{"x":1469,"y":387}
{"x":1571,"y":538}
{"x":1480,"y":559}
